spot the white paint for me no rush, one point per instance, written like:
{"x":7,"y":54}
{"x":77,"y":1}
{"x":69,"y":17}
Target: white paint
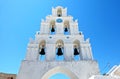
{"x":33,"y":68}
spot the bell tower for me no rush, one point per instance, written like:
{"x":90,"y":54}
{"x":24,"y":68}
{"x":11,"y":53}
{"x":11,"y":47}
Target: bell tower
{"x":58,"y":47}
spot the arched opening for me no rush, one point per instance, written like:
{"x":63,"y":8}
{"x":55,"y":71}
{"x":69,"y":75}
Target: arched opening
{"x":59,"y":12}
{"x":58,"y":70}
{"x":76,"y":48}
{"x":42,"y":47}
{"x":59,"y":50}
{"x":52,"y":27}
{"x":66,"y":28}
{"x":59,"y":76}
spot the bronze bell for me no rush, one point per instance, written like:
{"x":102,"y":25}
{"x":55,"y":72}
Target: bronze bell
{"x":52,"y":30}
{"x":76,"y":51}
{"x":59,"y":15}
{"x":59,"y":52}
{"x":42,"y":52}
{"x":66,"y":30}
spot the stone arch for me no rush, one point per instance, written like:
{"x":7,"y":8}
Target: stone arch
{"x":60,"y":69}
{"x":77,"y":50}
{"x":59,"y":12}
{"x":41,"y":51}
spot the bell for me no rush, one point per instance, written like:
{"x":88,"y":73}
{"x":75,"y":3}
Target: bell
{"x":76,"y":52}
{"x":59,"y":15}
{"x":59,"y":53}
{"x":66,"y":30}
{"x":42,"y":52}
{"x":52,"y":30}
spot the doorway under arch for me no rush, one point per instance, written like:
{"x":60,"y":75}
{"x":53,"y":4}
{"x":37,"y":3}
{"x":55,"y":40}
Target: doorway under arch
{"x":62,"y":70}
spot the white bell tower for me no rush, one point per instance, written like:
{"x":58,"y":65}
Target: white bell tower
{"x":58,"y":47}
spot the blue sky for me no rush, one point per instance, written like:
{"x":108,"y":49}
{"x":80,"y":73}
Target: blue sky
{"x":59,"y":75}
{"x":99,"y":20}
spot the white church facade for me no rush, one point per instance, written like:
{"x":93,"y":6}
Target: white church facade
{"x":59,"y":47}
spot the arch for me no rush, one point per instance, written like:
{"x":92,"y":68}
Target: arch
{"x":66,"y":23}
{"x":59,"y":50}
{"x":59,"y":12}
{"x":66,"y":27}
{"x":60,"y":69}
{"x":76,"y":42}
{"x":42,"y":43}
{"x":52,"y":27}
{"x":76,"y":48}
{"x":52,"y":22}
{"x":42,"y":52}
{"x":59,"y":42}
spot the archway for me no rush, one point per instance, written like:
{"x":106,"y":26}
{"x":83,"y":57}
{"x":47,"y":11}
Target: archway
{"x":59,"y":69}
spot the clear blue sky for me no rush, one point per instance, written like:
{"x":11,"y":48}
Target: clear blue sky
{"x":99,"y":20}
